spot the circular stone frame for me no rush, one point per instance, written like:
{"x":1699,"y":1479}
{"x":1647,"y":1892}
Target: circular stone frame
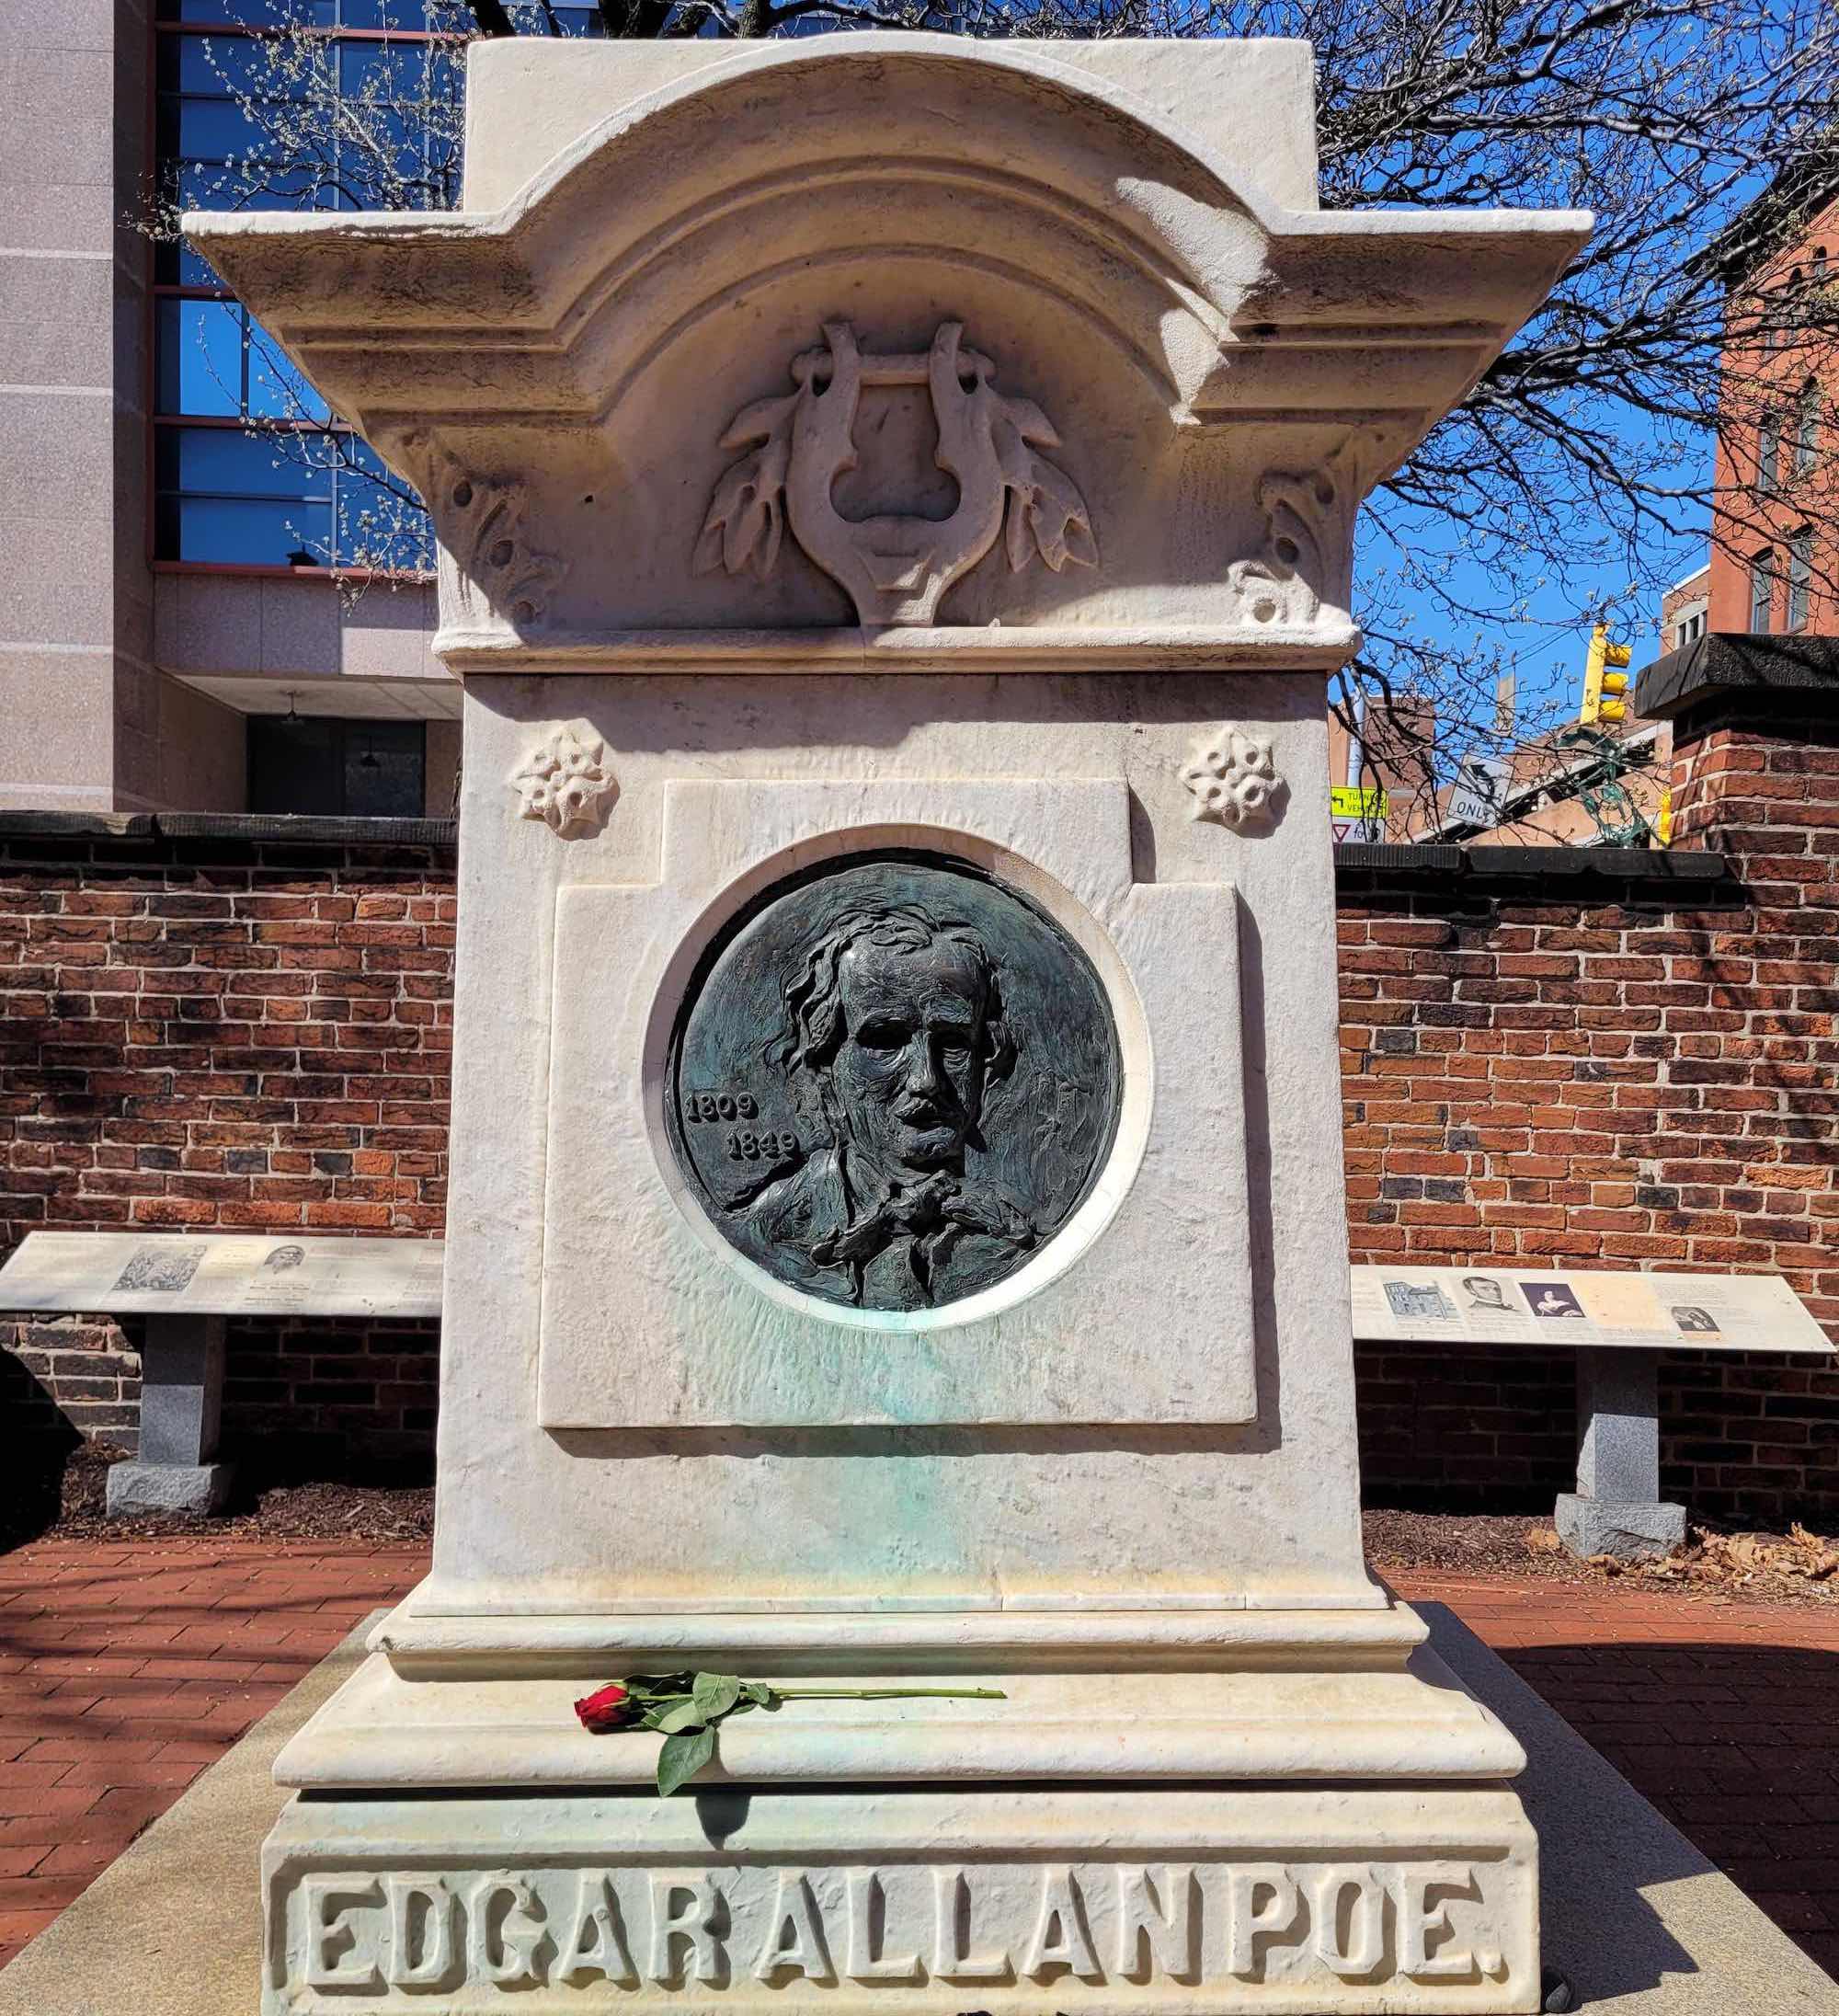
{"x":1117,"y":1154}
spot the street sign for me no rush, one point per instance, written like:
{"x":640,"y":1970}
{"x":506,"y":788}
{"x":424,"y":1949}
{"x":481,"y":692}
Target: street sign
{"x":1481,"y":784}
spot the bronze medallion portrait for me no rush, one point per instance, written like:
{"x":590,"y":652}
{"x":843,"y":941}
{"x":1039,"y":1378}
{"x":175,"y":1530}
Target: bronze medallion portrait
{"x":892,"y":1080}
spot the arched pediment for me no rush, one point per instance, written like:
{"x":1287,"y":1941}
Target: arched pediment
{"x":817,"y":156}
{"x":1187,"y":348}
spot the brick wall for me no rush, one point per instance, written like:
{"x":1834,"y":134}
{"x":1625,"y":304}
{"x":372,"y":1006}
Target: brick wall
{"x":230,"y":1024}
{"x":1634,"y":1065}
{"x":1601,"y":1081}
{"x":1589,"y":1059}
{"x":321,"y":1397}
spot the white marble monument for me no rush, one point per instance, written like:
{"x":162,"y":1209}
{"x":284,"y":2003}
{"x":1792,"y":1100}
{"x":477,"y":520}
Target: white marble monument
{"x":896,"y":499}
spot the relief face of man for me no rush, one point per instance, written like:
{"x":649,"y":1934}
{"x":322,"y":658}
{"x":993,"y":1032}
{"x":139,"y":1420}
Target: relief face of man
{"x":908,"y":1077}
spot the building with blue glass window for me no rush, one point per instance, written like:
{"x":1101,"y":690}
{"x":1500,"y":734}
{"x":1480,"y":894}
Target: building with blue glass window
{"x":212,"y":598}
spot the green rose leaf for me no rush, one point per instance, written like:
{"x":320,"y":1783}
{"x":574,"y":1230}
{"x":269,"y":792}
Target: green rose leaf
{"x":658,"y":1686}
{"x":714,"y":1694}
{"x":683,"y":1755}
{"x":682,"y":1715}
{"x":759,"y":1694}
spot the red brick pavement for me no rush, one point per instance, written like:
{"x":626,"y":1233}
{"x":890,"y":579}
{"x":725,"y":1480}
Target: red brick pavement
{"x":126,"y":1668}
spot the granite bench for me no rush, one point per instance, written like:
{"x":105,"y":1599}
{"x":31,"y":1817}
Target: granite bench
{"x":185,"y":1289}
{"x":1618,"y":1323}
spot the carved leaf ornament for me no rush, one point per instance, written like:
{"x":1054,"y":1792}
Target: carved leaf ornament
{"x":1280,"y":585}
{"x":894,"y":567}
{"x":483,"y":525}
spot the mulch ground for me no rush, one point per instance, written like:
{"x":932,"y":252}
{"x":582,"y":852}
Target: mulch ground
{"x":1712,"y":1566}
{"x":128,"y":1663}
{"x":1463,"y":1544}
{"x":382,"y":1514}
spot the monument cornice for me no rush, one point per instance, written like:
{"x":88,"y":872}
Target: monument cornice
{"x":569,"y":376}
{"x":483,"y":339}
{"x":1065,"y":648}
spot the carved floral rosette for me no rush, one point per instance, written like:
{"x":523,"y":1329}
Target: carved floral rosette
{"x":1234,"y":779}
{"x":566,"y":782}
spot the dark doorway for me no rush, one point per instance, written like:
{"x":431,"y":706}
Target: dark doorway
{"x":320,"y":763}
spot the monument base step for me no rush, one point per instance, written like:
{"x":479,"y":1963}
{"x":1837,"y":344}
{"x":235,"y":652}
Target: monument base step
{"x":1410,"y":1722}
{"x":1318,"y":1900}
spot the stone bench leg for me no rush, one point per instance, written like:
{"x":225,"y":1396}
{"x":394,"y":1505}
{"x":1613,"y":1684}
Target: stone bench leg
{"x":181,"y":1402}
{"x":1617,"y":1508}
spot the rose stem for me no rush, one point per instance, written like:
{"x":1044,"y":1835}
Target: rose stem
{"x":890,"y":1693}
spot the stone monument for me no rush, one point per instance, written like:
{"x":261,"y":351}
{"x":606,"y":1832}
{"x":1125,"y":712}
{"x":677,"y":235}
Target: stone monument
{"x":895,"y":499}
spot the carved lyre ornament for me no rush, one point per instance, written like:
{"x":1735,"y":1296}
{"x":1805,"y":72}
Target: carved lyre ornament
{"x":894,"y":567}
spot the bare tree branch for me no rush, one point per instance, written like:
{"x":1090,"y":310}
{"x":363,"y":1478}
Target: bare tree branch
{"x":1584,"y":469}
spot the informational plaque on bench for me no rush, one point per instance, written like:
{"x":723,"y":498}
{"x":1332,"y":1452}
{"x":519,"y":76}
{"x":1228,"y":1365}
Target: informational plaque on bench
{"x":234,"y":1274}
{"x":1640,"y":1311}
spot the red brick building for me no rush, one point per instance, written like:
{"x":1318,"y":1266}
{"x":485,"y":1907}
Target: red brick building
{"x":1775,"y":540}
{"x":1686,"y":610}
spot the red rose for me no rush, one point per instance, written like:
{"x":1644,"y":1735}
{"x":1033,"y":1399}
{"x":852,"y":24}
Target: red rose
{"x":608,"y":1708}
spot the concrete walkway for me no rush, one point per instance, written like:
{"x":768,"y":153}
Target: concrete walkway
{"x":127,"y":1668}
{"x":1723,"y":1715}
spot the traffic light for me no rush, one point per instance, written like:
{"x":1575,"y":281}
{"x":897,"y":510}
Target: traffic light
{"x":1603,"y":689}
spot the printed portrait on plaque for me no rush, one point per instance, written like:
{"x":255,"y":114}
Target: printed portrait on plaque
{"x":893,"y":1080}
